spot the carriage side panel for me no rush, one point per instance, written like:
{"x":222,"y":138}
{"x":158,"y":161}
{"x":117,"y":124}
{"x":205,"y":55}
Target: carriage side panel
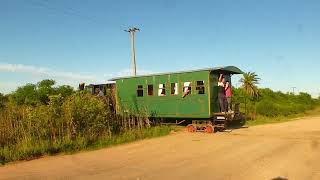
{"x":172,"y":104}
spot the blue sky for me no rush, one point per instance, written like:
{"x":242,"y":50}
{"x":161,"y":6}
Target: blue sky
{"x":72,"y":41}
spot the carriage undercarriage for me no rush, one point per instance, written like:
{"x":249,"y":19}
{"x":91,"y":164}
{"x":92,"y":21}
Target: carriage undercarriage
{"x":219,"y":122}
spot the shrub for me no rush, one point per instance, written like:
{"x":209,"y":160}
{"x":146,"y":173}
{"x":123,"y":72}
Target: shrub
{"x":63,"y":124}
{"x":267,"y":108}
{"x":273,"y":104}
{"x":87,"y":116}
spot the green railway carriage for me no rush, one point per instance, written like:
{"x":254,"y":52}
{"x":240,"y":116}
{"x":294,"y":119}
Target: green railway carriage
{"x":175,"y":95}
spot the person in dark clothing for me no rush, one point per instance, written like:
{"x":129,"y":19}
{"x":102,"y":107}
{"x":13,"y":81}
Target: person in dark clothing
{"x":221,"y":94}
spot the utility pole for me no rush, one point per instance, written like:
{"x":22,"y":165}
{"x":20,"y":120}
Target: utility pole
{"x":132,"y":31}
{"x":293,"y":88}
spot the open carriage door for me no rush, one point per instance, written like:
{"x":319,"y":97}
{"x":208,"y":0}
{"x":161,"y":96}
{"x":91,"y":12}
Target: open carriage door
{"x":227,"y":71}
{"x":214,"y":106}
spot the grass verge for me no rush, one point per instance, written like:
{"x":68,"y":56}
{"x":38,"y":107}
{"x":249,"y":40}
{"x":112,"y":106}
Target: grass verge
{"x":268,"y":120}
{"x":133,"y":135}
{"x":32,"y":150}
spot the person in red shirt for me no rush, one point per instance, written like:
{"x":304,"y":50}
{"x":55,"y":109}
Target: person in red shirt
{"x":228,"y":96}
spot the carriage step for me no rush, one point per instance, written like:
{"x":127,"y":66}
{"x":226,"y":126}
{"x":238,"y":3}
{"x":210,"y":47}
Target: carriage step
{"x":221,"y":117}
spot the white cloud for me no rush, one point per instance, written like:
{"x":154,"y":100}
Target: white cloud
{"x":20,"y":68}
{"x":29,"y":69}
{"x":61,"y":77}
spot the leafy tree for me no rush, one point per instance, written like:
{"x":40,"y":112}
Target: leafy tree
{"x":64,"y":90}
{"x":26,"y":94}
{"x":3,"y":100}
{"x":34,"y":94}
{"x":45,"y":89}
{"x":47,"y":83}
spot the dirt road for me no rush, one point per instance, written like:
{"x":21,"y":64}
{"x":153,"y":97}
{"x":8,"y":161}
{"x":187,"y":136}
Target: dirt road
{"x":288,"y":150}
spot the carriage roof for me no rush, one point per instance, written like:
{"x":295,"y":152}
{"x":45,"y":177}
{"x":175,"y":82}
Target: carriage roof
{"x":224,"y":69}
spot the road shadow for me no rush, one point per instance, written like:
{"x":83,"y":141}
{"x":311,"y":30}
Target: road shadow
{"x":233,"y":126}
{"x":279,"y":178}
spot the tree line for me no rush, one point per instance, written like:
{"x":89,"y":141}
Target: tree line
{"x":266,"y":102}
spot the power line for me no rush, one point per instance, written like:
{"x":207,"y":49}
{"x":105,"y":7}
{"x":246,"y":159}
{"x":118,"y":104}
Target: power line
{"x":63,"y":11}
{"x":69,"y":12}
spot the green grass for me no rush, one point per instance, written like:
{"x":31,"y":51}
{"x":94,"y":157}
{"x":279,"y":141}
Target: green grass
{"x":268,"y":120}
{"x":133,"y":135}
{"x":30,"y":150}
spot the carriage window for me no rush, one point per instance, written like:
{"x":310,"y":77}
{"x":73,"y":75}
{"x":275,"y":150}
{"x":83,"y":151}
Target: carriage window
{"x":187,"y":87}
{"x":150,"y":89}
{"x":174,"y":89}
{"x":200,"y":87}
{"x":140,"y":91}
{"x":162,"y":90}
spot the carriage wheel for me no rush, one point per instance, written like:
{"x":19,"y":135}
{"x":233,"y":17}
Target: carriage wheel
{"x":191,"y":128}
{"x":209,"y":129}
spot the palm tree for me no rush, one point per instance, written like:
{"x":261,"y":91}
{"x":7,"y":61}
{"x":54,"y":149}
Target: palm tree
{"x":249,"y":81}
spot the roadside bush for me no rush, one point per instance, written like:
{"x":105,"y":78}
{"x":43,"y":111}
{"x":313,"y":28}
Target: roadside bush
{"x":267,"y":108}
{"x":274,"y":104}
{"x":64,"y":124}
{"x":87,"y":116}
